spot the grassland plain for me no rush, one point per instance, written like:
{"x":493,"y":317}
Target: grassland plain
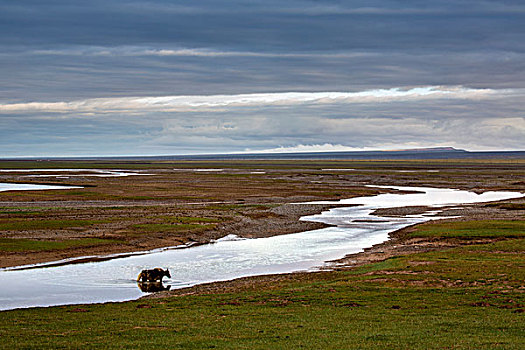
{"x":451,"y":284}
{"x":467,"y":297}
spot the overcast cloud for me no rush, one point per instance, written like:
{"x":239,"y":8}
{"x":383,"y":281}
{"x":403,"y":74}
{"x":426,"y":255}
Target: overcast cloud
{"x":173,"y":77}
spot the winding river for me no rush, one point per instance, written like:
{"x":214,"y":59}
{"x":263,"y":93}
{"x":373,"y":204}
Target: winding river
{"x":354,"y":228}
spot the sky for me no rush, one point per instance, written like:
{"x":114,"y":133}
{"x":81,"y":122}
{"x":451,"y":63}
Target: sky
{"x":125,"y":77}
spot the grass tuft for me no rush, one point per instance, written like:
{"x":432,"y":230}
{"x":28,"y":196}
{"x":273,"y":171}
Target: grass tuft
{"x":471,"y":229}
{"x":24,"y":245}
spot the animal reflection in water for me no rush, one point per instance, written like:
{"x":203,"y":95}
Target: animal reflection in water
{"x":150,"y":281}
{"x":152,"y":287}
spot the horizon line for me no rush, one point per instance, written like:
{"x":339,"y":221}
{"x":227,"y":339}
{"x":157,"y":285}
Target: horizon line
{"x":265,"y":154}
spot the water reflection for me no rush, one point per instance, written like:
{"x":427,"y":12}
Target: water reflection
{"x":152,"y":287}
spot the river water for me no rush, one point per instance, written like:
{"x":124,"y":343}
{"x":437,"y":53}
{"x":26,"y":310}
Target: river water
{"x":114,"y":280}
{"x":68,"y":173}
{"x":5,"y":186}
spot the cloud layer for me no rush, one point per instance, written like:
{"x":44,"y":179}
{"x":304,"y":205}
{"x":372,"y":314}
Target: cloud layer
{"x":199,"y":103}
{"x":150,"y":77}
{"x":476,"y":119}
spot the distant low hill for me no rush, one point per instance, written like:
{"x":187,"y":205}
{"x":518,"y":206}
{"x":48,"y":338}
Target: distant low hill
{"x":418,"y":153}
{"x":430,"y":149}
{"x":431,"y":153}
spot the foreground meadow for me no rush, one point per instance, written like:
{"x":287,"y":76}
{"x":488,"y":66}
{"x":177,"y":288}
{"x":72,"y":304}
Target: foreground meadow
{"x":468,"y":297}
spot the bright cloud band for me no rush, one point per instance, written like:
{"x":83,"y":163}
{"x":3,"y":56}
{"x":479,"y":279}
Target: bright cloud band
{"x":205,"y":102}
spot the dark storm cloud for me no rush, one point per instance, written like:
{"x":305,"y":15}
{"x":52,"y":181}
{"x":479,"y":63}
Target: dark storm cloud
{"x":265,"y":25}
{"x":60,"y":43}
{"x":407,"y":39}
{"x":62,"y":51}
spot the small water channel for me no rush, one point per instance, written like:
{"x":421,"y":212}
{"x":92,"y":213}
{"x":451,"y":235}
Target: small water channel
{"x":68,"y":173}
{"x":355,"y":228}
{"x":5,"y":186}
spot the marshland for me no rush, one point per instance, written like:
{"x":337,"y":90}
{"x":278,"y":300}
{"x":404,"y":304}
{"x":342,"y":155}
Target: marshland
{"x":464,"y":268}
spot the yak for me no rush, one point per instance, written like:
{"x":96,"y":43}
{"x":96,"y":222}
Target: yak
{"x":154,"y":275}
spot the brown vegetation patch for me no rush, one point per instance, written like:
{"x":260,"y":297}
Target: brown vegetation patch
{"x":245,"y":205}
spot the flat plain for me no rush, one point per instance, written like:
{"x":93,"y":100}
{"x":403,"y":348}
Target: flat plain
{"x":454,"y":283}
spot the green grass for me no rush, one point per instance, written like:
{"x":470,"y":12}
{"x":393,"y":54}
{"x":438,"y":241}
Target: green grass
{"x":23,"y":245}
{"x":499,"y":263}
{"x":327,"y":313}
{"x":185,"y":219}
{"x":508,"y":206}
{"x":22,"y":209}
{"x":468,"y":297}
{"x":472,"y":229}
{"x":51,"y":224}
{"x":172,"y":228}
{"x":137,"y":198}
{"x":70,"y":194}
{"x":509,"y":246}
{"x":24,"y":213}
{"x":240,"y":206}
{"x":225,"y":206}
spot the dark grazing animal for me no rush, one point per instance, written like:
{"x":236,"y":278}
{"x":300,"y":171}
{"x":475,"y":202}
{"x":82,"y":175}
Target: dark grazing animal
{"x":154,"y":275}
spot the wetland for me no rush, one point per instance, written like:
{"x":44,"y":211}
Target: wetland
{"x":471,"y":255}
